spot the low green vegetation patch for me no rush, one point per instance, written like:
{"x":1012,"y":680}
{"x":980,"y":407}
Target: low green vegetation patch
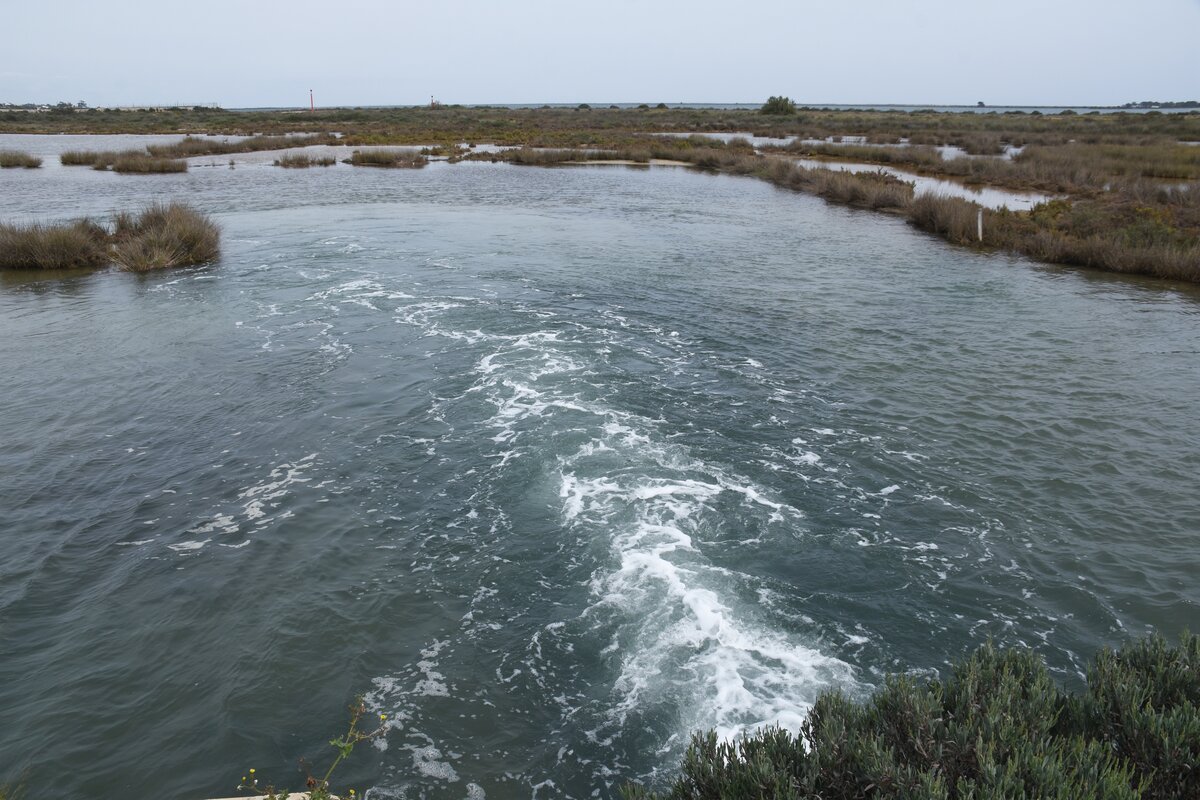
{"x":387,"y":158}
{"x":304,"y":160}
{"x":17,"y":158}
{"x":998,"y":727}
{"x":162,"y":235}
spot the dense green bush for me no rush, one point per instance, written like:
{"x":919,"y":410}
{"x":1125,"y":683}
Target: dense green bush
{"x":778,"y":105}
{"x":998,"y":727}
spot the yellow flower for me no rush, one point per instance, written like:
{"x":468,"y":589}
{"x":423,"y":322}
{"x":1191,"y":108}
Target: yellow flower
{"x":383,"y":716}
{"x":252,"y":770}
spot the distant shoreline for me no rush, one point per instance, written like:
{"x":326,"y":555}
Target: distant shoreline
{"x":1122,"y":187}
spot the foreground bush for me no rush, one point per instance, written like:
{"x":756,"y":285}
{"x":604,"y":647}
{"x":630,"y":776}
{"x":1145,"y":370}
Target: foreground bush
{"x":998,"y":727}
{"x":163,"y":235}
{"x":16,"y":158}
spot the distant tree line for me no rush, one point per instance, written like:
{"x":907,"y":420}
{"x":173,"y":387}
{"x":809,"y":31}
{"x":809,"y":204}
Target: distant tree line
{"x":1163,"y":104}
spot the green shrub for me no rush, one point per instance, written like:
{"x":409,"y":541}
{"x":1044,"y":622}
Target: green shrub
{"x":998,"y":727}
{"x":781,"y":106}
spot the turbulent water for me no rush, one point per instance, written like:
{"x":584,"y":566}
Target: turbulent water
{"x":555,"y":466}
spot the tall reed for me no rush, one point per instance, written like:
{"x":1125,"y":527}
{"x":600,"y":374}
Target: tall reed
{"x":16,"y":158}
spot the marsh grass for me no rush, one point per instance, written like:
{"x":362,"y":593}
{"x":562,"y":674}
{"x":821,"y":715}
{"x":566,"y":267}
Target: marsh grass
{"x":911,"y":155}
{"x":15,"y":158}
{"x":89,"y":158}
{"x":952,"y":218}
{"x":143,"y":164}
{"x":402,"y":159}
{"x":304,"y":160}
{"x":164,"y":235}
{"x":206,"y":146}
{"x":71,"y":245}
{"x":1105,"y":233}
{"x":136,"y":162}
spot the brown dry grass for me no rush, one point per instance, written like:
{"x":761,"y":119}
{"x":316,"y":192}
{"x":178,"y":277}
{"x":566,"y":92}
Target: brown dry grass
{"x":165,"y":235}
{"x":15,"y":158}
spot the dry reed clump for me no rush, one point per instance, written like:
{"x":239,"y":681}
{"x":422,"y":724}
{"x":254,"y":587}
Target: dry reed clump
{"x":533,"y":156}
{"x":164,"y":235}
{"x":952,"y":218}
{"x":89,"y":158}
{"x":876,"y":190}
{"x":136,"y":162}
{"x":303,"y":160}
{"x":866,"y":190}
{"x":70,"y":245}
{"x":403,"y":159}
{"x":15,"y":158}
{"x":142,"y":164}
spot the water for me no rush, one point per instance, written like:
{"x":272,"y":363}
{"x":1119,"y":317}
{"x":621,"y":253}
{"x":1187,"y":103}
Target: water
{"x":556,"y":466}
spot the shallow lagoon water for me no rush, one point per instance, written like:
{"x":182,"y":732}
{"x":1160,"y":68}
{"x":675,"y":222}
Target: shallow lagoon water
{"x":556,"y":466}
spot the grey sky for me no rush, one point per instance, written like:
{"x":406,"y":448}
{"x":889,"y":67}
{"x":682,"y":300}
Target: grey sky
{"x":371,"y":52}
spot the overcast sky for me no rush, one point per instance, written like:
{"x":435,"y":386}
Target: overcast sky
{"x":372,"y":52}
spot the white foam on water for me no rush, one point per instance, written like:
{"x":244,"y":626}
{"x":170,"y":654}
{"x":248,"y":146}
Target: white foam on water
{"x":264,"y":497}
{"x":221,"y":523}
{"x":188,"y":547}
{"x":427,"y":762}
{"x":683,"y":644}
{"x":682,"y":638}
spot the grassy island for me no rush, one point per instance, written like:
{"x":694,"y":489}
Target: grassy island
{"x":405,"y":159}
{"x":10,"y":159}
{"x":303,"y":160}
{"x":161,"y":236}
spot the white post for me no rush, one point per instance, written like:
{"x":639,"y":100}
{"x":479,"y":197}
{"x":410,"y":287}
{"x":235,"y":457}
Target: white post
{"x":979,"y":222}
